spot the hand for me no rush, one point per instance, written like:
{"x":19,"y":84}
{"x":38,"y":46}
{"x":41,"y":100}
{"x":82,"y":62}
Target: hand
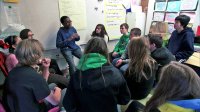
{"x":75,"y":35}
{"x":46,"y":62}
{"x":119,"y":62}
{"x":57,"y":89}
{"x":114,"y":54}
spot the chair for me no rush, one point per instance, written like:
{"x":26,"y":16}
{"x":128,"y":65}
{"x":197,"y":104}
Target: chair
{"x":2,"y":64}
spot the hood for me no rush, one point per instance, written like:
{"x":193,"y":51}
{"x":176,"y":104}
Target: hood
{"x":91,"y":61}
{"x":187,"y":29}
{"x":160,"y":53}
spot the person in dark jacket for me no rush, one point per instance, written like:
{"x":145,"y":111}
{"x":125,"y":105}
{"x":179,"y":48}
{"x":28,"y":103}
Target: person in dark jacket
{"x":141,"y":71}
{"x":181,"y":42}
{"x":161,"y":54}
{"x":96,"y":86}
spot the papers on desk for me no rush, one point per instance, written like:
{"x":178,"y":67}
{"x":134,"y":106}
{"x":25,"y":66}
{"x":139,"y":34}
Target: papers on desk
{"x":194,"y":59}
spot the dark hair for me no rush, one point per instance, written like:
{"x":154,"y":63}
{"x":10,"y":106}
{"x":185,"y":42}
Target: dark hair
{"x":125,"y":25}
{"x":177,"y":82}
{"x":62,"y":19}
{"x":184,"y":20}
{"x":156,"y":39}
{"x":136,"y":31}
{"x":102,"y":33}
{"x":11,"y":41}
{"x":24,"y":34}
{"x":97,"y":45}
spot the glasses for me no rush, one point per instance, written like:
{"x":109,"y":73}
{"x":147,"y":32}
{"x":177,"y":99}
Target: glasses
{"x":68,"y":21}
{"x":31,"y":35}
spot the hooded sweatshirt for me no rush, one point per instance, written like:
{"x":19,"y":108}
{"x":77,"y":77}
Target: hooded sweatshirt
{"x":182,"y":44}
{"x":96,"y":86}
{"x":162,"y":56}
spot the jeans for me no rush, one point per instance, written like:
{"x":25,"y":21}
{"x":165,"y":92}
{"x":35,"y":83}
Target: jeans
{"x":68,"y":55}
{"x":123,"y":67}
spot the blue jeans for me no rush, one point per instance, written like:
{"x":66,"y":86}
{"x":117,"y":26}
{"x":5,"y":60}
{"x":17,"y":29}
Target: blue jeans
{"x":123,"y":67}
{"x":68,"y":55}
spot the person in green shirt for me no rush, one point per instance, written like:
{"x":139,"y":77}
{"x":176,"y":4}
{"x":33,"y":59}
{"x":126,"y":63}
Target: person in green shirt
{"x":123,"y":41}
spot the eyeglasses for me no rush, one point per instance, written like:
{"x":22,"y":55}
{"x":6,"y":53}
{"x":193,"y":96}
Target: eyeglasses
{"x":31,"y":35}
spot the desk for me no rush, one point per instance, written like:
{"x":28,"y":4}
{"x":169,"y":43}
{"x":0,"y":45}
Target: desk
{"x":194,"y":62}
{"x":194,"y":59}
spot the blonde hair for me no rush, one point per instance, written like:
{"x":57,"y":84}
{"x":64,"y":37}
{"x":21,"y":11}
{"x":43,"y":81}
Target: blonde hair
{"x":177,"y":82}
{"x":29,"y":51}
{"x":159,"y":28}
{"x":140,"y":58}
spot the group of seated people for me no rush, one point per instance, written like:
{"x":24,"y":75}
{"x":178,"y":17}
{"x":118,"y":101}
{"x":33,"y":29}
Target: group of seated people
{"x":99,"y":85}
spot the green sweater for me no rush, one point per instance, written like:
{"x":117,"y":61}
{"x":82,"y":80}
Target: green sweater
{"x":121,"y":45}
{"x":91,"y":61}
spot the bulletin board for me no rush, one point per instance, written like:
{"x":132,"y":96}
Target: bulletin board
{"x":168,"y":10}
{"x":43,"y":18}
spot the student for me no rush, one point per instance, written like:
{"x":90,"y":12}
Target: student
{"x":161,"y":54}
{"x":181,"y":42}
{"x":177,"y":90}
{"x":66,"y":37}
{"x":28,"y":34}
{"x":25,"y":89}
{"x":141,"y":71}
{"x":100,"y":31}
{"x":160,"y":28}
{"x":123,"y":41}
{"x":96,"y":86}
{"x":122,"y":62}
{"x":11,"y":60}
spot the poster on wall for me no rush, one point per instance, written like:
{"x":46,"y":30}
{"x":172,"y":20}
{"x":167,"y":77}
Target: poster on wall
{"x":114,"y":16}
{"x":12,"y":14}
{"x":160,"y":6}
{"x":11,"y":1}
{"x":160,"y":0}
{"x":170,"y":27}
{"x":170,"y":17}
{"x":192,"y":16}
{"x":158,"y":16}
{"x":189,"y":5}
{"x":173,"y":6}
{"x":76,"y":10}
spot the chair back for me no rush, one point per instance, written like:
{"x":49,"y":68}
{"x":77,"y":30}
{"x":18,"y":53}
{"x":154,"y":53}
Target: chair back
{"x":2,"y":64}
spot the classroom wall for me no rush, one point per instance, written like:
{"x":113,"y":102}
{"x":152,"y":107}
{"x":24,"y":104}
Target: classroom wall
{"x":150,"y":16}
{"x":42,"y":17}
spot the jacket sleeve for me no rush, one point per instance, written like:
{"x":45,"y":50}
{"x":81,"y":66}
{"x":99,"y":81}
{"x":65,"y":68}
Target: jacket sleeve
{"x":117,"y":46}
{"x":125,"y":53}
{"x":124,"y":93}
{"x":187,"y":48}
{"x":69,"y":100}
{"x":59,"y":40}
{"x":76,"y":39}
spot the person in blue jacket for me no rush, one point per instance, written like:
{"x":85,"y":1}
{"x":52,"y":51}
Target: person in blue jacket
{"x":181,"y":42}
{"x":66,"y":37}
